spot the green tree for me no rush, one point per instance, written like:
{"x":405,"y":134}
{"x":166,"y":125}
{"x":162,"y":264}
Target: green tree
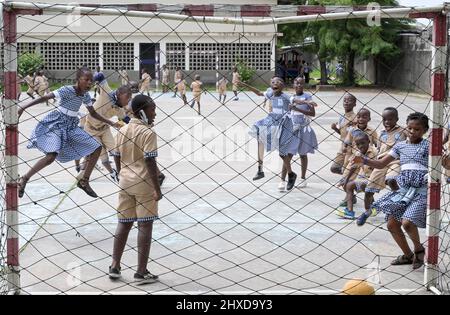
{"x":29,"y":62}
{"x":348,"y":39}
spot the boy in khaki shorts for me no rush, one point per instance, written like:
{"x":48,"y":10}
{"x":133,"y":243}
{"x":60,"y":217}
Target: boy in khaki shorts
{"x":222,"y":89}
{"x":197,"y":89}
{"x":135,"y":158}
{"x":341,"y":128}
{"x":235,"y":81}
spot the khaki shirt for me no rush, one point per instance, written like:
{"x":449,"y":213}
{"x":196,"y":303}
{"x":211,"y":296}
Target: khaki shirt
{"x":223,"y":84}
{"x":105,"y":107}
{"x":165,"y":76}
{"x":344,"y":123}
{"x":146,"y":78}
{"x":196,"y":87}
{"x":135,"y":142}
{"x":362,"y":171}
{"x":178,"y":76}
{"x":388,"y":139}
{"x":40,"y":84}
{"x":349,"y":140}
{"x":236,"y":78}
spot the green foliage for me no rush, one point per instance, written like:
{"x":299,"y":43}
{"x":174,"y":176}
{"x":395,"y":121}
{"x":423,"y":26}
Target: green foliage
{"x":246,"y":72}
{"x":346,"y":39}
{"x":29,"y":62}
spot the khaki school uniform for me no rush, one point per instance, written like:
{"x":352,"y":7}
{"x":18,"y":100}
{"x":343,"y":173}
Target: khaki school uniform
{"x":362,"y":174}
{"x":350,"y":142}
{"x":222,"y":86}
{"x":177,"y":78}
{"x":135,"y":142}
{"x":124,"y":78}
{"x":40,"y":85}
{"x":165,"y":77}
{"x":235,"y":80}
{"x":386,"y":141}
{"x":145,"y":84}
{"x":196,"y":87}
{"x":30,"y":82}
{"x":181,"y":87}
{"x":101,"y":131}
{"x":344,"y":123}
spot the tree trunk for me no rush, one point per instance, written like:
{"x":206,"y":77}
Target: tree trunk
{"x":350,"y":73}
{"x":323,"y":72}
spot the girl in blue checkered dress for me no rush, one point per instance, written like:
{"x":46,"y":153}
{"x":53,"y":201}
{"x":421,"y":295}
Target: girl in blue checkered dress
{"x":275,"y":132}
{"x":407,"y":206}
{"x":58,"y":134}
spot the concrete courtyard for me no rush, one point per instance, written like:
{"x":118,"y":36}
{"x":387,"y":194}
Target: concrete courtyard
{"x":219,"y":232}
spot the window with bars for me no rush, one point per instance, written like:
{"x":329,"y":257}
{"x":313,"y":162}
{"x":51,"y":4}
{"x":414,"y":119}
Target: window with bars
{"x":117,"y":55}
{"x":176,"y":55}
{"x":202,"y":56}
{"x":69,"y":56}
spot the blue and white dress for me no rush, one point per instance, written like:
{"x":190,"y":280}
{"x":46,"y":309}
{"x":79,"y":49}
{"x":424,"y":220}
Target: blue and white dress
{"x":59,"y":131}
{"x":410,"y":201}
{"x":276,"y":130}
{"x":305,"y":140}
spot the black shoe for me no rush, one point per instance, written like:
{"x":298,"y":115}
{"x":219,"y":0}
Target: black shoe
{"x":258,"y":175}
{"x":161,"y":179}
{"x":145,"y":278}
{"x":78,"y":168}
{"x":114,"y":175}
{"x":114,"y":273}
{"x":84,"y":185}
{"x":291,"y":181}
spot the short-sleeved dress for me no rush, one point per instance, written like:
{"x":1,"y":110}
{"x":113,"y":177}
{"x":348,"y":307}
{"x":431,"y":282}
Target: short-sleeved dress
{"x":59,"y":131}
{"x":307,"y":140}
{"x":276,"y":130}
{"x":410,"y":202}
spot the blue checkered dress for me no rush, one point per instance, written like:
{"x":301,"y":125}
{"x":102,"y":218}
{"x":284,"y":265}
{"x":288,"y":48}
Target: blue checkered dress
{"x":415,"y":209}
{"x":59,"y":133}
{"x":276,"y":130}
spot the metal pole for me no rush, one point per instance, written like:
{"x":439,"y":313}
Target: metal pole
{"x":11,"y":148}
{"x":435,"y":170}
{"x":402,"y":12}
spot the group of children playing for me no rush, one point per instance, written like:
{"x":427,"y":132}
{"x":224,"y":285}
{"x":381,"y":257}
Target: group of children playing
{"x":400,"y":159}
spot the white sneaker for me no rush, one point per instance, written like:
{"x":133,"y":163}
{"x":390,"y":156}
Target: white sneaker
{"x":282,"y":186}
{"x":303,"y":183}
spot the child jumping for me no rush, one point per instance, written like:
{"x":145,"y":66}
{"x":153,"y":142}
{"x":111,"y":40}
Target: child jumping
{"x":407,"y":207}
{"x":58,"y":134}
{"x":135,"y":158}
{"x":275,"y":132}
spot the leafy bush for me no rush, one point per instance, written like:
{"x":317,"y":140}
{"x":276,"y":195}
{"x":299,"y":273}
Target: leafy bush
{"x":246,"y":72}
{"x":29,"y":63}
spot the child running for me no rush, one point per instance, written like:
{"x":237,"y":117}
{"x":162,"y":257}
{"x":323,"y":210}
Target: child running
{"x":165,"y":78}
{"x":235,"y":81}
{"x":135,"y":158}
{"x":145,"y":82}
{"x":379,"y":178}
{"x":177,"y":77}
{"x":58,"y":134}
{"x":406,"y":207}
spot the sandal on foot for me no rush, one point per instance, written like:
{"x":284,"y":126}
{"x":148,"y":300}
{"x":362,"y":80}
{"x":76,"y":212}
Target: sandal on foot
{"x":22,"y":184}
{"x":403,"y":260}
{"x":418,"y":259}
{"x":84,"y":185}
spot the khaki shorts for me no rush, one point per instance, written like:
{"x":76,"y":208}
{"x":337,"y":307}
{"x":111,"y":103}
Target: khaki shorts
{"x":197,"y":96}
{"x":222,"y":91}
{"x":377,"y":180}
{"x":106,"y":139}
{"x":338,"y":161}
{"x":140,"y":208}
